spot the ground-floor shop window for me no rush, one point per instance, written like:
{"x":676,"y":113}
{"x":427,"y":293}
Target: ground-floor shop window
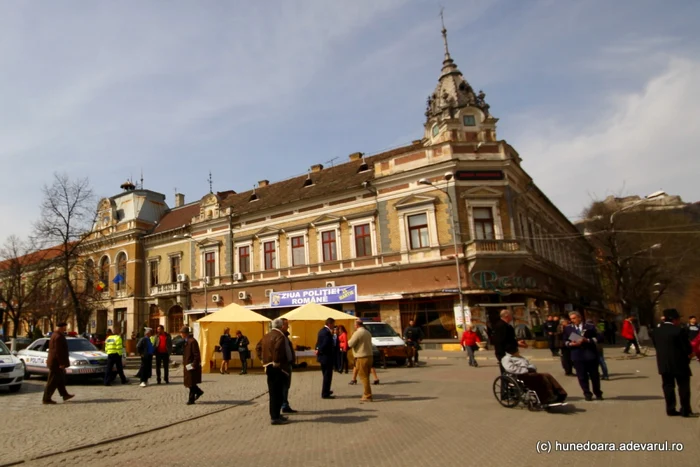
{"x":369,"y":311}
{"x":435,"y":317}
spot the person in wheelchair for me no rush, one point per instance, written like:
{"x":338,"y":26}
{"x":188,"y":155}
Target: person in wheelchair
{"x":548,"y":389}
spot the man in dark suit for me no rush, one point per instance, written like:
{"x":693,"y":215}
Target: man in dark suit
{"x":325,"y":353}
{"x":582,"y":339}
{"x":57,"y":362}
{"x":504,"y":337}
{"x":673,"y":355}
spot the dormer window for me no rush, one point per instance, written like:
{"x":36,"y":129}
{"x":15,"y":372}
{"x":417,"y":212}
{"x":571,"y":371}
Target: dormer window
{"x":364,"y":167}
{"x":308,"y":182}
{"x":253,"y":197}
{"x":469,"y":120}
{"x":435,"y":130}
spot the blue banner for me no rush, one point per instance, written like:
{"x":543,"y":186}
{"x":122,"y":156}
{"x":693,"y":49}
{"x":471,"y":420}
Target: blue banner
{"x":323,"y":296}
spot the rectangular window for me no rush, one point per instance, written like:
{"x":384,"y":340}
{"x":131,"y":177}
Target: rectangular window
{"x":154,"y":272}
{"x":469,"y":120}
{"x":363,"y":241}
{"x":174,"y":268}
{"x":210,"y":264}
{"x":330,"y":252}
{"x":298,"y":251}
{"x":270,"y":255}
{"x":483,"y":223}
{"x":244,"y":259}
{"x":418,"y":231}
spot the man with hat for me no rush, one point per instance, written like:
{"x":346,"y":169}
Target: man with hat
{"x":145,"y":349}
{"x":192,"y":364}
{"x":673,"y":355}
{"x":57,"y":362}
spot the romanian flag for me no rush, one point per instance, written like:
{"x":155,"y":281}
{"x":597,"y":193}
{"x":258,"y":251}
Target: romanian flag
{"x":100,"y":286}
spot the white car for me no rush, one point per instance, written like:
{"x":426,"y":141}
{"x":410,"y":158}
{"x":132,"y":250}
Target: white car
{"x":390,"y":345}
{"x":11,"y":370}
{"x":85,"y":358}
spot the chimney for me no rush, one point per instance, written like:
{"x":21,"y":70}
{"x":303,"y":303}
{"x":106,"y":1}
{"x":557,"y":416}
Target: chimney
{"x":356,"y":156}
{"x":263,"y":183}
{"x":316,"y":168}
{"x":179,"y":200}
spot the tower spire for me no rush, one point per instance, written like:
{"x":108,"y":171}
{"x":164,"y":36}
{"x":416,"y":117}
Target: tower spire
{"x":444,"y":34}
{"x":211,"y":190}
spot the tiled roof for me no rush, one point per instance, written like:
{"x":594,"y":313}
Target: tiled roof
{"x":327,"y":182}
{"x":177,"y":217}
{"x":34,"y":258}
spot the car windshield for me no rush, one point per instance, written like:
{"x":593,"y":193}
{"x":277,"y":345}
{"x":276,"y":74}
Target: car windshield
{"x":80,"y":345}
{"x":3,"y":349}
{"x":381,"y":330}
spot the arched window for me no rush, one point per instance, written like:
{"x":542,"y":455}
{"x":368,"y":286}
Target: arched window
{"x":89,"y":276}
{"x":436,"y":129}
{"x":121,"y":271}
{"x":104,"y":271}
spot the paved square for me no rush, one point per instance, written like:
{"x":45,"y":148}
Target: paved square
{"x":442,"y":413}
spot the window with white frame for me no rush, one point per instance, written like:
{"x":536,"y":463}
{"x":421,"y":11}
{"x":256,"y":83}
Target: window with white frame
{"x":210,"y":262}
{"x":484,"y":220}
{"x":328,"y":238}
{"x":417,"y":220}
{"x":418,"y":235}
{"x":297,"y":244}
{"x":244,"y":258}
{"x":153,"y":272}
{"x":175,"y":261}
{"x":363,"y":237}
{"x":121,"y":271}
{"x":268,"y":256}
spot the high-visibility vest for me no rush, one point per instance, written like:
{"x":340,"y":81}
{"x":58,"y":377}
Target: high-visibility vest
{"x":113,"y":344}
{"x":601,"y":326}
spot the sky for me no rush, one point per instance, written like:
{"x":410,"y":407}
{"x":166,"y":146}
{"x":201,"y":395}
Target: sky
{"x":597,"y":97}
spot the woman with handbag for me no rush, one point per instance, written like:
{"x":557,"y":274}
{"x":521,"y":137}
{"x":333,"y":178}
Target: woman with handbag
{"x":343,"y":345}
{"x":225,"y":343}
{"x":243,"y":352}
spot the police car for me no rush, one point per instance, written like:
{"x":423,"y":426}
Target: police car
{"x":11,"y":370}
{"x":85,"y":358}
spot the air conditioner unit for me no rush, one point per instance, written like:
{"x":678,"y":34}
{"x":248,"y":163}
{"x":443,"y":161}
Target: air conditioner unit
{"x":268,"y":292}
{"x":207,"y":280}
{"x":182,"y":277}
{"x":238,"y":276}
{"x":330,"y":283}
{"x":216,"y":298}
{"x":242,"y":295}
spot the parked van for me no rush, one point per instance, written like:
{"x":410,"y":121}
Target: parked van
{"x":390,"y":344}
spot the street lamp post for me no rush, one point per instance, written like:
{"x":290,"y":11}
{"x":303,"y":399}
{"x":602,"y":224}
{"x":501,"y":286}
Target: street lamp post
{"x":206,"y":282}
{"x":455,"y":233}
{"x":618,"y":261}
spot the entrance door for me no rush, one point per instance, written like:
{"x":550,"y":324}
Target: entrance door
{"x":101,"y":322}
{"x":153,"y":317}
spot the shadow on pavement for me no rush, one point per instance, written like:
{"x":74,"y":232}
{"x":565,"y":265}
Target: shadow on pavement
{"x":96,"y":401}
{"x":334,"y":411}
{"x":341,"y":419}
{"x":219,"y":402}
{"x":400,"y":398}
{"x":566,"y":410}
{"x":615,"y":378}
{"x":398,"y":382}
{"x":636,"y":398}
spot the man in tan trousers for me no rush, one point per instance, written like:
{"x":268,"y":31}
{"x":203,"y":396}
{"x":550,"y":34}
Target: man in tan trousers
{"x":361,"y":345}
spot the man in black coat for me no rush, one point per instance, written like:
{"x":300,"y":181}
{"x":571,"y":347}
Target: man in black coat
{"x":504,"y":337}
{"x":582,"y":339}
{"x":325,"y":353}
{"x":550,"y":330}
{"x":673,"y":355}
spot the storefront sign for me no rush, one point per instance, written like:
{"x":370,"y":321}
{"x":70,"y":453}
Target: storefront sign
{"x":479,"y":175}
{"x":489,"y":280}
{"x":459,"y":319}
{"x":325,"y":295}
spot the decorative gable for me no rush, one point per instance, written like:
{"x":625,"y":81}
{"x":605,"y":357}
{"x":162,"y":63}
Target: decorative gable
{"x":209,"y":207}
{"x":415,"y":200}
{"x":326,"y":219}
{"x":482,"y":192}
{"x":266,"y":232}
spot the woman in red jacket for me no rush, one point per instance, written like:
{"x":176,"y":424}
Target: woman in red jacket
{"x":469,"y":341}
{"x":343,"y":345}
{"x":629,"y":334}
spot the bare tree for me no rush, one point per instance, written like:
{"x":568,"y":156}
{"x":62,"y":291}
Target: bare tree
{"x":68,"y":214}
{"x":21,"y":274}
{"x":643,"y":253}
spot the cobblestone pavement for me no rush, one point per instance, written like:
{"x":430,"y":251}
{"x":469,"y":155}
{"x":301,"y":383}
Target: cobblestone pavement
{"x":442,"y":413}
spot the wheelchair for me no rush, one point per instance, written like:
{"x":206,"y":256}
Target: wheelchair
{"x":510,"y":391}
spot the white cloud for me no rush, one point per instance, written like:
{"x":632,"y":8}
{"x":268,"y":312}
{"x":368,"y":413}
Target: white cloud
{"x":639,"y":142}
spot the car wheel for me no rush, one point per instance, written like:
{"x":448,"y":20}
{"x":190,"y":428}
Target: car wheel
{"x":15,"y":388}
{"x":26,"y":373}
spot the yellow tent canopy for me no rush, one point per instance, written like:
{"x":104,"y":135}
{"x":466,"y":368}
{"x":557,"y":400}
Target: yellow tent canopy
{"x":251,"y":324}
{"x":307,"y":320}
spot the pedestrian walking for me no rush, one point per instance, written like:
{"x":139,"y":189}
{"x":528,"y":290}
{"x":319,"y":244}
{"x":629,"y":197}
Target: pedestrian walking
{"x":276,"y":355}
{"x":604,"y":375}
{"x":564,"y":350}
{"x":114,"y":348}
{"x":504,"y":336}
{"x":361,"y":345}
{"x":693,"y":328}
{"x":145,"y":349}
{"x":226,"y":344}
{"x":628,"y":332}
{"x":413,"y":335}
{"x":325,"y":354}
{"x":192,"y":365}
{"x":57,"y":361}
{"x":469,"y":344}
{"x":163,"y":347}
{"x":550,"y":328}
{"x":342,"y":349}
{"x":242,"y":344}
{"x":673,"y":355}
{"x":372,"y":370}
{"x":582,"y":339}
{"x":286,"y":408}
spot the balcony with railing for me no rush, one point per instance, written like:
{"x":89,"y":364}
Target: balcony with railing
{"x":494,"y":254}
{"x":495,"y":246}
{"x":170,"y":288}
